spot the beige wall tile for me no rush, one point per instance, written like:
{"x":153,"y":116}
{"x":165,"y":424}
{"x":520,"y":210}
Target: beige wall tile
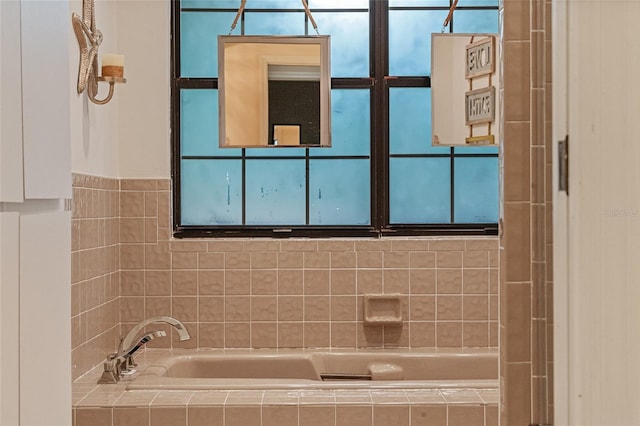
{"x":422,"y":259}
{"x":465,"y":415}
{"x":449,"y":334}
{"x":290,"y":334}
{"x":343,"y":281}
{"x":449,"y":281}
{"x":517,"y":186}
{"x":422,"y":308}
{"x":131,"y":416}
{"x":264,"y":335}
{"x":211,"y":282}
{"x":343,"y":334}
{"x":422,"y":281}
{"x":317,"y":308}
{"x":205,"y":416}
{"x":518,"y":322}
{"x":132,"y":204}
{"x":517,"y":242}
{"x":395,"y":281}
{"x":237,"y":335}
{"x":315,"y":260}
{"x":242,"y":416}
{"x":384,"y":415}
{"x":168,"y":416}
{"x":290,"y":281}
{"x":343,"y":259}
{"x":264,"y":308}
{"x":354,"y":415}
{"x":428,"y":415}
{"x":316,"y":282}
{"x":237,"y":281}
{"x":211,"y":335}
{"x":93,"y":416}
{"x":317,"y":334}
{"x":157,"y":283}
{"x":280,"y":415}
{"x":211,"y":260}
{"x":312,"y":415}
{"x":518,"y":398}
{"x":369,"y":281}
{"x":184,"y":283}
{"x":184,"y":260}
{"x":516,"y":80}
{"x":449,"y":308}
{"x":264,"y":281}
{"x":449,"y":259}
{"x":157,"y":256}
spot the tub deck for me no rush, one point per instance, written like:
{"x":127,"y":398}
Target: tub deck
{"x":403,"y":403}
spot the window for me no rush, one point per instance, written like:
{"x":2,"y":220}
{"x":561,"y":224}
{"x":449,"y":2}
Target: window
{"x":380,"y":177}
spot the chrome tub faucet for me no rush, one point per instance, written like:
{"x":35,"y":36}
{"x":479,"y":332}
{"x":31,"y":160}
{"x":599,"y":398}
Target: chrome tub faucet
{"x":121,"y":362}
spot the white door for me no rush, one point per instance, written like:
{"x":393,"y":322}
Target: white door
{"x":597,"y":226}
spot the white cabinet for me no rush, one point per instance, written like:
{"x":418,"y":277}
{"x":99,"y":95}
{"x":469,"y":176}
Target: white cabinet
{"x":45,"y":312}
{"x":11,"y":188}
{"x":46,"y":29}
{"x":9,"y":316}
{"x":35,"y":231}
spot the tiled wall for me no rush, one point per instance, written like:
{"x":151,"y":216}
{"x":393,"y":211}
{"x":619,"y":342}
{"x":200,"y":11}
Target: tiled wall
{"x":526,"y":243}
{"x":95,"y":307}
{"x":301,"y":293}
{"x":265,"y":292}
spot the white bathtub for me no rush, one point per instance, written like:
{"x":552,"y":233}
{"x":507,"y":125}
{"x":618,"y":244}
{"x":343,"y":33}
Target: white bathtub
{"x":306,"y":369}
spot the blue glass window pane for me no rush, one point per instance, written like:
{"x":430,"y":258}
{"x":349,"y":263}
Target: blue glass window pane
{"x":199,"y":42}
{"x":268,"y":23}
{"x":275,"y":192}
{"x":211,"y":192}
{"x":275,"y":152}
{"x":410,"y":40}
{"x":475,"y":21}
{"x":475,"y":150}
{"x":464,"y":3}
{"x":339,"y":192}
{"x":199,"y":124}
{"x":209,"y":4}
{"x":419,"y":190}
{"x":419,"y":3}
{"x":349,"y":42}
{"x":476,"y":190}
{"x":350,"y":123}
{"x":338,"y":4}
{"x":271,"y":4}
{"x":410,"y":122}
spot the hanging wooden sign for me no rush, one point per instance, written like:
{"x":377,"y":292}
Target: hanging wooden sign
{"x":465,"y":89}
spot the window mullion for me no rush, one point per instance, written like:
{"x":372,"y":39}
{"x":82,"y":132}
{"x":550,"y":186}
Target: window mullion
{"x":379,"y":113}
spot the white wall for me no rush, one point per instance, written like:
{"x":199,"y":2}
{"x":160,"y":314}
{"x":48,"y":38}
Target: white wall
{"x":128,"y":137}
{"x":94,"y":135}
{"x":143,"y":105}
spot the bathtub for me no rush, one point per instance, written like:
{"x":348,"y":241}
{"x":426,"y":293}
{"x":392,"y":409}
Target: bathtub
{"x":307,"y":369}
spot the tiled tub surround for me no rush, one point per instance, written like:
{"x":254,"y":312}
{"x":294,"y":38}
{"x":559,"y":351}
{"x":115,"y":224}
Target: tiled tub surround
{"x":106,"y":405}
{"x":272,"y":293}
{"x":268,"y":293}
{"x":95,"y":272}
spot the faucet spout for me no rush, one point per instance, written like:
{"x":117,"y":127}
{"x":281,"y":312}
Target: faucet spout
{"x":144,"y":339}
{"x":127,"y":342}
{"x":121,"y":362}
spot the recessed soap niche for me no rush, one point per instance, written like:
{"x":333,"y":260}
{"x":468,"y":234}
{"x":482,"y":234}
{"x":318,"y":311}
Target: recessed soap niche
{"x":383,"y":309}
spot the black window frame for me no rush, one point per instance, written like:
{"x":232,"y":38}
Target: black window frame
{"x":379,"y":83}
